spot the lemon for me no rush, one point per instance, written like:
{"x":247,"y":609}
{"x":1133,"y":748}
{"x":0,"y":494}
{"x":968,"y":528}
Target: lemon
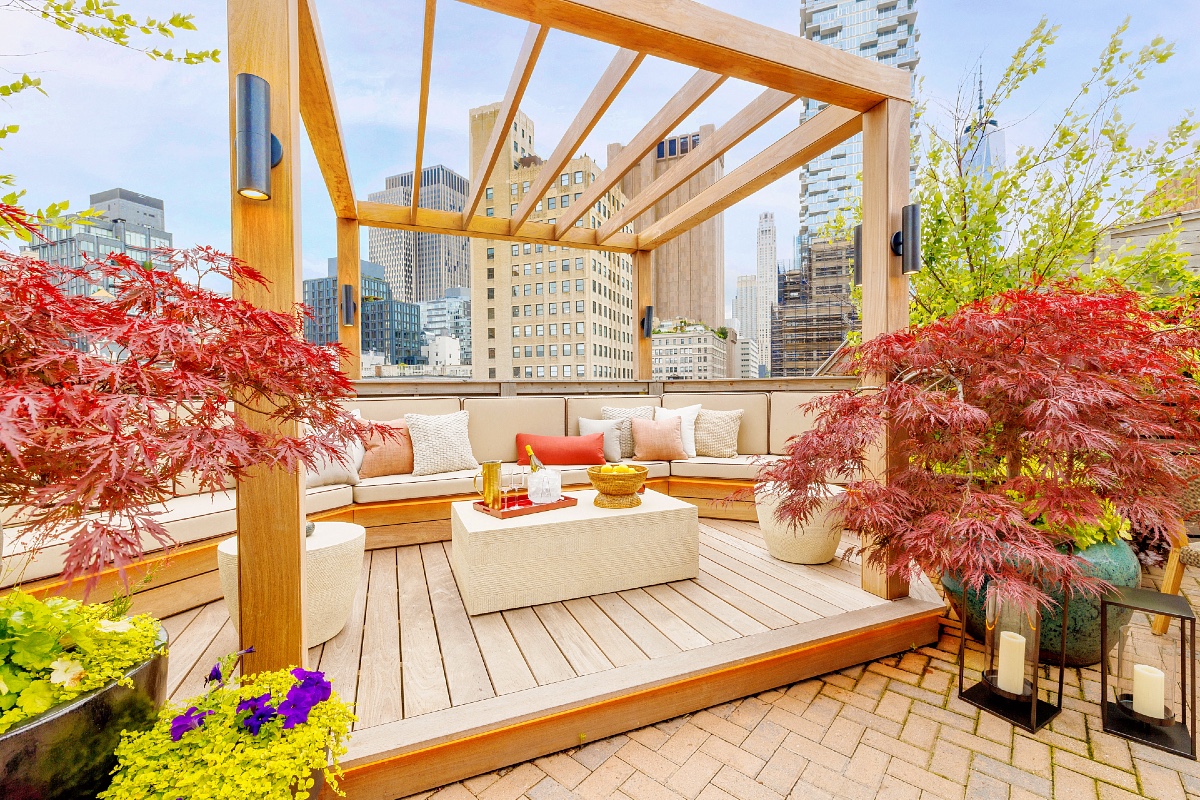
{"x":608,"y":469}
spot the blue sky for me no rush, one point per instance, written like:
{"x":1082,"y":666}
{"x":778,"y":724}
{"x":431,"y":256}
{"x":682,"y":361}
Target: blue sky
{"x":114,"y":118}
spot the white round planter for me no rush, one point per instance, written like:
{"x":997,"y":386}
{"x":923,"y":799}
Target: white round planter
{"x":815,"y":542}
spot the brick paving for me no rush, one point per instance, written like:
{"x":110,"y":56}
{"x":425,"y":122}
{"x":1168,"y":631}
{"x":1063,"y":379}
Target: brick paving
{"x":893,"y":728}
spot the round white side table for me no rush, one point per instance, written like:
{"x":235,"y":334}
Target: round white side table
{"x":331,"y":575}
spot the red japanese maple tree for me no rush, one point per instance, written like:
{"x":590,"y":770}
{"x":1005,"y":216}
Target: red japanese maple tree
{"x":1017,"y":418}
{"x":108,"y":400}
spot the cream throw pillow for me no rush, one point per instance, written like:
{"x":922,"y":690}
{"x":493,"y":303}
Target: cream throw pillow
{"x":331,"y":472}
{"x":440,"y":443}
{"x":717,"y":433}
{"x":687,"y":424}
{"x":625,"y":431}
{"x":612,"y":434}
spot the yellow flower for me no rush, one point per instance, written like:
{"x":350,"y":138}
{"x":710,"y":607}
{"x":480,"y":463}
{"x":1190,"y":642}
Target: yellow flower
{"x":68,"y":673}
{"x":117,"y":626}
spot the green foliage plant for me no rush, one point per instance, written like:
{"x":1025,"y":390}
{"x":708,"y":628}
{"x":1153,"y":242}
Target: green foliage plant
{"x":53,"y":650}
{"x":215,"y":748}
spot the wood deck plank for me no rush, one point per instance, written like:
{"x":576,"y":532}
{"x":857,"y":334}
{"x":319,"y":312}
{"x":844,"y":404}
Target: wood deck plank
{"x":176,"y":624}
{"x":187,"y":649}
{"x":341,"y":656}
{"x":583,"y":654}
{"x":505,"y":664}
{"x":425,"y":688}
{"x":769,"y":577}
{"x":380,"y":695}
{"x":740,"y":621}
{"x":649,"y":639}
{"x":703,"y":622}
{"x":715,"y":570}
{"x":537,"y":646}
{"x":466,"y":675}
{"x":617,"y":646}
{"x":748,"y":605}
{"x":844,"y":571}
{"x":224,"y":643}
{"x":683,"y":635}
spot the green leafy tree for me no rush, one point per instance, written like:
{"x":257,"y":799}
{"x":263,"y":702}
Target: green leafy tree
{"x":101,"y":20}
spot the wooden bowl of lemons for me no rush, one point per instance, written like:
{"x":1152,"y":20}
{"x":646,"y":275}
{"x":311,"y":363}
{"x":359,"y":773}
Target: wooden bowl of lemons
{"x":617,"y":485}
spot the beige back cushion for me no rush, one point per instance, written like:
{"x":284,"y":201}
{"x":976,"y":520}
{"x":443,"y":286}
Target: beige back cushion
{"x":396,"y":407}
{"x":752,"y":435}
{"x":589,"y":407}
{"x":496,"y":421}
{"x":786,"y":418}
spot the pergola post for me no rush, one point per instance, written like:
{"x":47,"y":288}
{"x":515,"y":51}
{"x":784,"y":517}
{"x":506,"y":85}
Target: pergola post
{"x":349,"y":274}
{"x":263,"y":40}
{"x":885,"y":190}
{"x":643,"y":295}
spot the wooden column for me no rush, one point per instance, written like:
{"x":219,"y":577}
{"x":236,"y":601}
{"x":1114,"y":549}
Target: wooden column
{"x":643,"y":295}
{"x":266,"y":234}
{"x":885,"y":191}
{"x":349,"y":274}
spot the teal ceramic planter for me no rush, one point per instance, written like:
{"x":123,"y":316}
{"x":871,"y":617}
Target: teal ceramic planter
{"x":1114,"y":563}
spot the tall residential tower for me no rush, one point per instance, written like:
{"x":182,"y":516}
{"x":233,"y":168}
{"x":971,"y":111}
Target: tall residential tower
{"x":766,"y":284}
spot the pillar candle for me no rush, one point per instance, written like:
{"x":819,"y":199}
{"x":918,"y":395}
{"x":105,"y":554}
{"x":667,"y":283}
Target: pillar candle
{"x":1010,"y":675}
{"x":1148,"y":691}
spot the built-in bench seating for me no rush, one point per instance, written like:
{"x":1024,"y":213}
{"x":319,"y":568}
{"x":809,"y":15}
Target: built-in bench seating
{"x":405,"y":509}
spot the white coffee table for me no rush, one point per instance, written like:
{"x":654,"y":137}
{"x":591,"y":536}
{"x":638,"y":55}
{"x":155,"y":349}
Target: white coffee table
{"x":332,"y":569}
{"x":571,"y":552}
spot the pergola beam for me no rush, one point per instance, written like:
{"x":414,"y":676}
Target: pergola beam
{"x":423,"y":102}
{"x":618,"y":73}
{"x":531,"y":48}
{"x":428,"y":220}
{"x":319,"y":112}
{"x":829,"y":127}
{"x":698,"y":89}
{"x":687,"y":32}
{"x":760,"y":111}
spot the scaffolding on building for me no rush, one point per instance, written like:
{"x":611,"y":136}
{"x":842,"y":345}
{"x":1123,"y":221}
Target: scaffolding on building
{"x":814,"y":312}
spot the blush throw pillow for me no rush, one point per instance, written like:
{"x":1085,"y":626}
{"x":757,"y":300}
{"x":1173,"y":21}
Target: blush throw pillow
{"x":717,"y":433}
{"x":611,"y":428}
{"x":388,"y":456}
{"x":440,"y":443}
{"x":562,"y":450}
{"x":687,"y":424}
{"x":624,"y":415}
{"x":657,"y":440}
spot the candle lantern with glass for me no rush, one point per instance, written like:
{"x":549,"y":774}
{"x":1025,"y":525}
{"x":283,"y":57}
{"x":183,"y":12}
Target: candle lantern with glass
{"x":1010,"y":684}
{"x":1153,"y":697}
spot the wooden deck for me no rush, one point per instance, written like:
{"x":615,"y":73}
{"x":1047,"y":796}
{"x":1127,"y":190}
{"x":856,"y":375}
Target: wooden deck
{"x":441,"y":695}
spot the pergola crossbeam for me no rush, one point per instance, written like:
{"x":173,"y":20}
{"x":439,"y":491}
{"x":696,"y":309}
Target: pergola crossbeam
{"x":760,"y":111}
{"x":531,"y":48}
{"x":618,"y":73}
{"x":829,"y":127}
{"x":318,"y":109}
{"x":698,"y":89}
{"x":423,"y":102}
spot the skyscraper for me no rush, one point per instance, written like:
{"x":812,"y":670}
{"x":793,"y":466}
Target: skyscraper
{"x":689,"y":270}
{"x":982,"y":142}
{"x":422,"y":266}
{"x":883,"y":30}
{"x":766,"y":284}
{"x":745,"y":307}
{"x":388,"y":327}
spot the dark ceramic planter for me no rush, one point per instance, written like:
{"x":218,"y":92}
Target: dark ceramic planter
{"x":69,"y":751}
{"x":1115,"y":563}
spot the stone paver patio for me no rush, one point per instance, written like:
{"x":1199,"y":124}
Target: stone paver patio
{"x":893,"y":728}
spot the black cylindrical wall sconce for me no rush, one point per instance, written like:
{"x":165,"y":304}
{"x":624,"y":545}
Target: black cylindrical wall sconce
{"x":257,"y":150}
{"x":648,"y":322}
{"x":906,"y":242}
{"x":348,"y":304}
{"x":858,"y":255}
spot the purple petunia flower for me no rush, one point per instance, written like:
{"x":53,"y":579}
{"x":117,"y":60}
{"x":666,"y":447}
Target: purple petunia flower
{"x":215,"y":676}
{"x":189,"y":720}
{"x":260,"y":710}
{"x":312,"y":689}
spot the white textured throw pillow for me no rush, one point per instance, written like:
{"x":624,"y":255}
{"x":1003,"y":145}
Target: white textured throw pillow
{"x":612,"y":435}
{"x":717,"y":433}
{"x":687,"y":424}
{"x":334,"y":473}
{"x":440,"y":443}
{"x":624,"y":415}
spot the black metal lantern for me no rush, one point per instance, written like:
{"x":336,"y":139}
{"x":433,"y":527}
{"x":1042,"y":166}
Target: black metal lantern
{"x":1010,"y":684}
{"x":1154,"y":690}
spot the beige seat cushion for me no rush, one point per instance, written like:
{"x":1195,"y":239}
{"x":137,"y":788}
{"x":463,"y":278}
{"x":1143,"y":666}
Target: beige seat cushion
{"x":787,"y":420}
{"x":589,"y":407}
{"x":752,"y":435}
{"x":411,"y":487}
{"x":739,"y":468}
{"x":496,"y":421}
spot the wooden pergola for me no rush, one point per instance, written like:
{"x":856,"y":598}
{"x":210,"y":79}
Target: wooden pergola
{"x":280,"y":41}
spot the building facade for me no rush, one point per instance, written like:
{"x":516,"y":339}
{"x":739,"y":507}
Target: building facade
{"x":421,"y":266}
{"x":745,"y":306}
{"x":682,"y":350}
{"x":130,"y":223}
{"x":545,"y":312}
{"x":689,"y":270}
{"x":442,"y":351}
{"x":882,"y":30}
{"x":449,"y":316}
{"x":746,"y":362}
{"x":766,"y":282}
{"x":388,"y":327}
{"x":814,"y":311}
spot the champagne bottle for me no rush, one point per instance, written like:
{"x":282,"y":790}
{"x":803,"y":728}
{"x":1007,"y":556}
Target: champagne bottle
{"x":535,"y":463}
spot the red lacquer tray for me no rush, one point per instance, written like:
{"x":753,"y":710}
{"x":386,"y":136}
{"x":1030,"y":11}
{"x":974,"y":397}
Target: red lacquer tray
{"x":521,"y":505}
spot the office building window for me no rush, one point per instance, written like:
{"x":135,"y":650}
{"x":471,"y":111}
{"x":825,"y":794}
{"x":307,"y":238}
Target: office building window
{"x":539,"y":309}
{"x":529,"y":311}
{"x":529,"y":372}
{"x":491,"y":333}
{"x":566,"y":308}
{"x":552,"y":287}
{"x":491,"y":253}
{"x":516,"y":249}
{"x":554,"y":330}
{"x":553,"y":372}
{"x":538,"y":288}
{"x":541,"y":372}
{"x":538,"y":206}
{"x":579,"y":349}
{"x":491,"y":372}
{"x":579,"y":285}
{"x":488,"y":193}
{"x":550,"y":203}
{"x":516,"y":352}
{"x":579,"y":327}
{"x":537,"y":267}
{"x":491,"y":293}
{"x":529,"y":351}
{"x":516,"y":311}
{"x":491,"y":313}
{"x":529,"y":330}
{"x":526,"y":248}
{"x":512,"y":209}
{"x":564,"y":201}
{"x":516,"y":290}
{"x":489,"y":212}
{"x":566,"y":265}
{"x":492,"y":353}
{"x":540,"y":330}
{"x":516,"y":372}
{"x":528,"y":289}
{"x":579,"y":176}
{"x":564,"y":179}
{"x":541,"y":351}
{"x":512,"y":189}
{"x":579,"y":263}
{"x":491,"y":273}
{"x":524,"y":186}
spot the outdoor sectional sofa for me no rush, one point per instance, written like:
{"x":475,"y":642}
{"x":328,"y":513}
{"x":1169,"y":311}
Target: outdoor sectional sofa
{"x":401,"y":510}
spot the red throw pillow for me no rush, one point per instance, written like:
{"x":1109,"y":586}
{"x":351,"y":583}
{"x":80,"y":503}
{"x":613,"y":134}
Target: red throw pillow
{"x":562,"y":450}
